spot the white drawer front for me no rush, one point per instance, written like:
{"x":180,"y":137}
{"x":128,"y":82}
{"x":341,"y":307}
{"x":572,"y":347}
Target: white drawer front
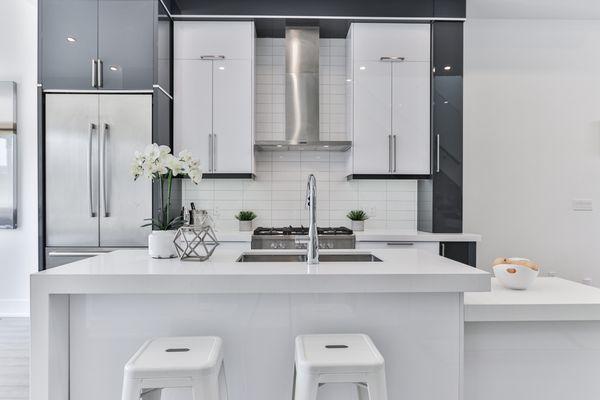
{"x":432,"y":247}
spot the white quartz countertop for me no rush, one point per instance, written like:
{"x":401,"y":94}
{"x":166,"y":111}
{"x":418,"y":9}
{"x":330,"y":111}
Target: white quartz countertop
{"x":548,"y":299}
{"x":375,"y":235}
{"x":133,"y":271}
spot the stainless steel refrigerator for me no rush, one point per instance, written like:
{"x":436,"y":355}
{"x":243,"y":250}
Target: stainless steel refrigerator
{"x":92,"y":203}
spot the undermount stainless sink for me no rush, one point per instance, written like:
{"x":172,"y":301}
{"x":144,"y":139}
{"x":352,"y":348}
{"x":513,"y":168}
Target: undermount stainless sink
{"x":301,"y":257}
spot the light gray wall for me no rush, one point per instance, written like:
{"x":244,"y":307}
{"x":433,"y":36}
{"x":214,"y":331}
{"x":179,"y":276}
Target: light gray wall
{"x":532,"y":141}
{"x":18,"y":62}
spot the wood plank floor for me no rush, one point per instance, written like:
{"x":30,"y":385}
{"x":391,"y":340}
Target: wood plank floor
{"x":14,"y":358}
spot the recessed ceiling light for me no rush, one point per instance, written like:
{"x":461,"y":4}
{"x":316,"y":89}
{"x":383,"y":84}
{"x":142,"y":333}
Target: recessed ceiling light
{"x":71,"y":39}
{"x":326,"y":145}
{"x":279,"y":145}
{"x":348,"y":80}
{"x":113,"y":68}
{"x":445,"y":101}
{"x":221,"y":68}
{"x":362,"y":67}
{"x":447,"y":67}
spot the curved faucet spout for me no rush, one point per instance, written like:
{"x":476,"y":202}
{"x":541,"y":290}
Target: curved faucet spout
{"x":313,"y":237}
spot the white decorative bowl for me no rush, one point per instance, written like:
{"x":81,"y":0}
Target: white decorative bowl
{"x":515,"y":276}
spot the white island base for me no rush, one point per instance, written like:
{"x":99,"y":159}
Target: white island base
{"x":89,"y":317}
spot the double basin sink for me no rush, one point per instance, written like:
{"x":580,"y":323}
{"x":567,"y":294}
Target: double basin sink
{"x":302,"y":257}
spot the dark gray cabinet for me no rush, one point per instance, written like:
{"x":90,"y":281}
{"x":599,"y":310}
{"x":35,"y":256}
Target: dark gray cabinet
{"x":98,"y":44}
{"x":440,"y":198}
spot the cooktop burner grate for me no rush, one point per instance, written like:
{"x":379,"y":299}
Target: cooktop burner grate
{"x":301,"y":230}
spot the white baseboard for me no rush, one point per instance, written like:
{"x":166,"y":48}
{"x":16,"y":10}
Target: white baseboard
{"x":14,"y":308}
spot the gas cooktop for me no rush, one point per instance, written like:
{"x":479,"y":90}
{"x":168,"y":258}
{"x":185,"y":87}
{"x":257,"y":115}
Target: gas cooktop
{"x":301,"y":230}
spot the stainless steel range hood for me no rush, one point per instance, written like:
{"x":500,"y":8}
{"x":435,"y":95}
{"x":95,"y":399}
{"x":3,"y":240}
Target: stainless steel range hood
{"x":302,"y":95}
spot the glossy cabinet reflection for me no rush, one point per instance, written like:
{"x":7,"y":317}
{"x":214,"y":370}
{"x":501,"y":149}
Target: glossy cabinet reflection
{"x":97,"y":44}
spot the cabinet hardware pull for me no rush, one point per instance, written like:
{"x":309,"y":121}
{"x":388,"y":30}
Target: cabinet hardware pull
{"x":390,"y":153}
{"x":395,"y":153}
{"x":214,"y":156}
{"x":437,"y":157}
{"x":443,"y":246}
{"x":400,"y":243}
{"x":212,"y":57}
{"x":210,"y":152}
{"x":103,"y":158}
{"x":100,"y":74}
{"x":94,"y":73}
{"x":392,"y":58}
{"x":89,"y":170}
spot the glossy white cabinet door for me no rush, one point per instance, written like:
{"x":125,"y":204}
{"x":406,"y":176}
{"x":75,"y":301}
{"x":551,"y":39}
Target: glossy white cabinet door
{"x":231,"y":39}
{"x":371,"y":41}
{"x":372,"y":117}
{"x":232,"y":116}
{"x":192,"y":108}
{"x":411,"y":117}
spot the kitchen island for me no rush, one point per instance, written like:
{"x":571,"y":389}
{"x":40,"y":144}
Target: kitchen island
{"x":90,"y":316}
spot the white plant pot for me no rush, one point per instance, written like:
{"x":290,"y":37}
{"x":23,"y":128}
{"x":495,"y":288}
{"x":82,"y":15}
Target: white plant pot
{"x":245,"y":226}
{"x":358,"y":226}
{"x":160,"y":244}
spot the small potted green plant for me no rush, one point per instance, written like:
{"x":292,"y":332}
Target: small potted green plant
{"x":245,"y":218}
{"x":358,"y":218}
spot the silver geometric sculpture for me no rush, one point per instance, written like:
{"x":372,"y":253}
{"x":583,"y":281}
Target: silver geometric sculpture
{"x":195,"y":243}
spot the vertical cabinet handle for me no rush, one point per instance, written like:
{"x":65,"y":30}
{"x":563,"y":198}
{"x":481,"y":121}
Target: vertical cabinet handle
{"x":89,"y":170}
{"x":94,"y":73}
{"x":437,"y":154}
{"x":99,"y":80}
{"x":214,"y":153}
{"x":443,"y":249}
{"x":103,"y":159}
{"x":395,"y":152}
{"x":210,"y":152}
{"x":390,"y":155}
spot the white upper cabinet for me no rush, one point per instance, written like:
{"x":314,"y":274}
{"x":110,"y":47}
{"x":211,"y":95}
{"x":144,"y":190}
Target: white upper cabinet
{"x":197,"y":39}
{"x":213,"y":105}
{"x":389,"y":73}
{"x":371,"y":41}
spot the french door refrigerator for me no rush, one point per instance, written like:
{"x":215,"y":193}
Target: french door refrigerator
{"x":92,"y":203}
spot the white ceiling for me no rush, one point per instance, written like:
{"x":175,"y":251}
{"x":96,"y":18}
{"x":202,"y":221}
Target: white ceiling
{"x":534,"y":9}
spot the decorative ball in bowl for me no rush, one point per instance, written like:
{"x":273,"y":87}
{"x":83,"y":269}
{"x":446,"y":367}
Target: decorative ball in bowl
{"x":516,"y":273}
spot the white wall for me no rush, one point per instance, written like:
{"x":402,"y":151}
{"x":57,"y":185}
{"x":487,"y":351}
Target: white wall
{"x":18,"y":59}
{"x":532,"y":141}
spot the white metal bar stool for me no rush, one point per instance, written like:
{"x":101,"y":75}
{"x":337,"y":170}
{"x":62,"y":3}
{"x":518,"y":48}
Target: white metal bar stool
{"x":175,"y":362}
{"x":351,"y":358}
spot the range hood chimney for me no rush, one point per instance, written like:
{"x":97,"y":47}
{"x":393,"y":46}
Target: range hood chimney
{"x":302,"y":95}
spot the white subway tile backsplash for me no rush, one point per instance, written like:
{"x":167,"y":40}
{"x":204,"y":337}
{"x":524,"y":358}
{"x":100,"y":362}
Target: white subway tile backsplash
{"x":277,"y":193}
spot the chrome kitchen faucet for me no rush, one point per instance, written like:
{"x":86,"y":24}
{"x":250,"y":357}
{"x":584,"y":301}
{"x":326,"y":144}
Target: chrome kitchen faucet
{"x":312,"y":246}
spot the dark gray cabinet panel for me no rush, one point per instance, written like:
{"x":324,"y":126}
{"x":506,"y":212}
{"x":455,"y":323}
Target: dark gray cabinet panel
{"x":164,"y":48}
{"x":68,"y":35}
{"x":440,"y":198}
{"x":120,"y":35}
{"x":126,"y":43}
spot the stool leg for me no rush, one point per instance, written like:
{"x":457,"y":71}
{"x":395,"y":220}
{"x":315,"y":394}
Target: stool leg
{"x":305,"y":387}
{"x":131,"y":390}
{"x":152,"y":394}
{"x":363,"y":391}
{"x":377,"y":386}
{"x":222,"y":383}
{"x":206,"y":388}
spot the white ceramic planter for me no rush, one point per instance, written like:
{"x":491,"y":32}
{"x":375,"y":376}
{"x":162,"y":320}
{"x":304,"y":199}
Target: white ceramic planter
{"x":245,"y":226}
{"x":358,"y":226}
{"x":160,"y":244}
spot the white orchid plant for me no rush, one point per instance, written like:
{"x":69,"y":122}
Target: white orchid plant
{"x":158,"y":164}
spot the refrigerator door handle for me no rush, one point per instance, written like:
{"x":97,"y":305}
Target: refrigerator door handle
{"x":89,"y":170}
{"x":103,"y":161}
